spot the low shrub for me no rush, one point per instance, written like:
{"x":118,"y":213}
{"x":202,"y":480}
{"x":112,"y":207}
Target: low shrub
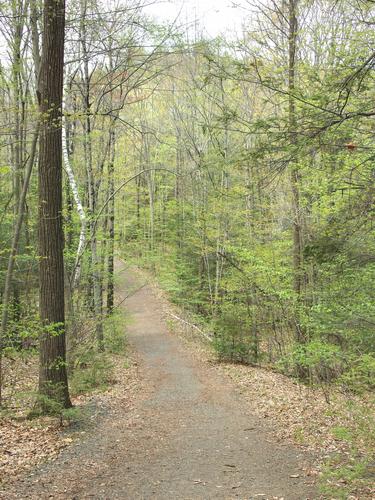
{"x":316,"y":361}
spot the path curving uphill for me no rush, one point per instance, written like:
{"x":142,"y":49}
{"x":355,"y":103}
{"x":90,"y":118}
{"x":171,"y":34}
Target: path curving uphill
{"x":190,"y":437}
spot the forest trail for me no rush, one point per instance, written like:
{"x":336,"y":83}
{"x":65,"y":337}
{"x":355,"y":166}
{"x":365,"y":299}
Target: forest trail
{"x":189,"y":437}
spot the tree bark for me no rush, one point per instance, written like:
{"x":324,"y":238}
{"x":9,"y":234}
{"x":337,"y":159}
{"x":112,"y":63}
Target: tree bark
{"x":79,"y":205}
{"x":295,"y":173}
{"x":21,"y":201}
{"x":92,"y":191}
{"x":111,"y":229}
{"x":14,"y":250}
{"x":53,"y":380}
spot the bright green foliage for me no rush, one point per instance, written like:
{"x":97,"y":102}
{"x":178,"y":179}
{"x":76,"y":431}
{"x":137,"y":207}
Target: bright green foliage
{"x":114,"y":333}
{"x":94,"y":372}
{"x":352,"y":470}
{"x":210,"y":176}
{"x":340,"y":479}
{"x":219,"y":233}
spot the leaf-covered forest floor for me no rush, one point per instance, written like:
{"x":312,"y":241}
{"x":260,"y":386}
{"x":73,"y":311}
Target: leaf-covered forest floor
{"x":177,"y":424}
{"x":26,"y":443}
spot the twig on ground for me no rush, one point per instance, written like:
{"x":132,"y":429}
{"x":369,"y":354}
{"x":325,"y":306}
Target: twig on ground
{"x":130,"y":295}
{"x":205,"y":335}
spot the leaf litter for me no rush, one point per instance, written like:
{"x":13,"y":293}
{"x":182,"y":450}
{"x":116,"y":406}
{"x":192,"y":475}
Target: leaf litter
{"x":25,"y":443}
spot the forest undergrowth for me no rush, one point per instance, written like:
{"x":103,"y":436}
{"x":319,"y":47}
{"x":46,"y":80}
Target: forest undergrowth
{"x":238,"y":168}
{"x":96,"y":383}
{"x":335,"y":425}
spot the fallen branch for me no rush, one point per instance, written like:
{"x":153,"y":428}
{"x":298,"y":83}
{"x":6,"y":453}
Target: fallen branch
{"x":129,"y":295}
{"x":191,"y":325}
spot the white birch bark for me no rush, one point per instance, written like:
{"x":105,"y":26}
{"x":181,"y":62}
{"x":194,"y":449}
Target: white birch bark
{"x":80,"y":209}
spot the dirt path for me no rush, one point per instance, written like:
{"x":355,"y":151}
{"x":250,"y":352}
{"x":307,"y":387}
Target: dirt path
{"x":190,"y":437}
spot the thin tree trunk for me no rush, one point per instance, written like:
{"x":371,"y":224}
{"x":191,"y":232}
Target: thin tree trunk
{"x":19,"y":130}
{"x":111,"y":229}
{"x":17,"y":96}
{"x":96,"y":282}
{"x":14,"y":249}
{"x":22,"y":200}
{"x":111,"y":204}
{"x":295,"y":173}
{"x":79,"y":205}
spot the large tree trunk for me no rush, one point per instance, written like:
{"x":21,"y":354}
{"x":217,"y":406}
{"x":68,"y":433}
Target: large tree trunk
{"x":53,"y":382}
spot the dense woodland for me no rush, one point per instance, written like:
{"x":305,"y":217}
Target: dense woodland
{"x":239,"y":171}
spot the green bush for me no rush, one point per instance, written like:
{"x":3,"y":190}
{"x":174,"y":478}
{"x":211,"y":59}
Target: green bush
{"x":320,"y":362}
{"x":114,"y":333}
{"x":316,"y":360}
{"x":234,"y":340}
{"x":92,"y":371}
{"x":360,"y":376}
